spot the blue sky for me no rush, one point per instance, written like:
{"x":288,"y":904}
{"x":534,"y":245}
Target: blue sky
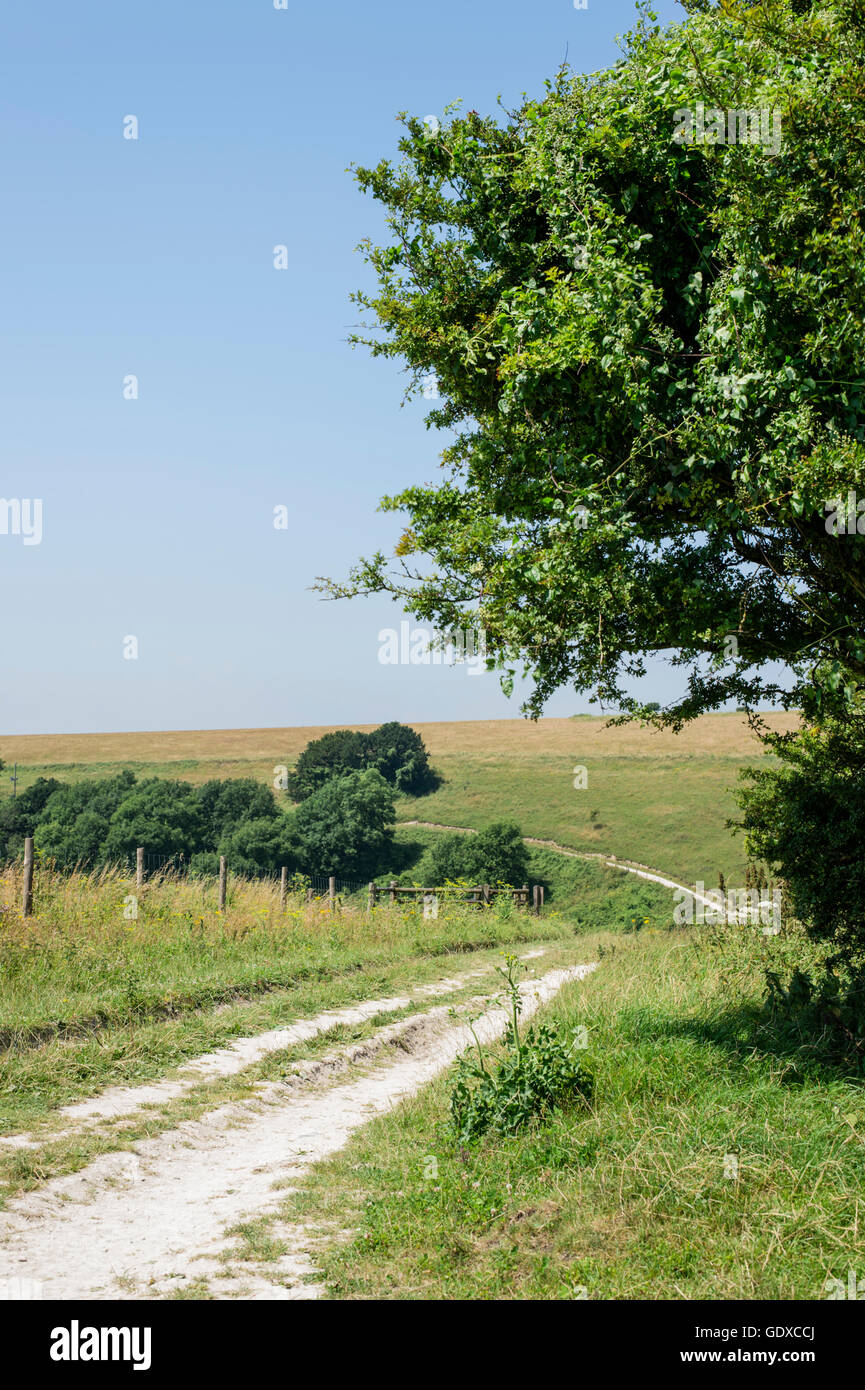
{"x":154,"y":257}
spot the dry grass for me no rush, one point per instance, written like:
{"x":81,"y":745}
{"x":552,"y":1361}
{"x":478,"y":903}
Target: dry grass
{"x":722,"y":735}
{"x":81,"y":963}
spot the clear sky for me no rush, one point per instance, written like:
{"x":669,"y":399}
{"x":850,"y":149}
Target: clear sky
{"x":154,"y":257}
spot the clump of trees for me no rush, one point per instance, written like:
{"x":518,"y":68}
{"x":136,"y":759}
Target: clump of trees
{"x":345,"y":783}
{"x":345,"y":828}
{"x":394,"y":750}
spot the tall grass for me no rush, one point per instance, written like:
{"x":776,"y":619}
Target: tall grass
{"x":79,"y":962}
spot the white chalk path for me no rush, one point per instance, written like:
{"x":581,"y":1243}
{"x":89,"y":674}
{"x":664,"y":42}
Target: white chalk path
{"x":79,"y":1237}
{"x":118,"y":1101}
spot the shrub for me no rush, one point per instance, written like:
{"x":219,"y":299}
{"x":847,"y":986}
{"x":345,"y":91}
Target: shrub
{"x":72,"y":825}
{"x":261,"y":845}
{"x":225,"y":803}
{"x":20,"y":815}
{"x":496,"y":854}
{"x":806,"y":816}
{"x":164,"y":816}
{"x":445,"y":861}
{"x":96,"y":822}
{"x":538,"y":1075}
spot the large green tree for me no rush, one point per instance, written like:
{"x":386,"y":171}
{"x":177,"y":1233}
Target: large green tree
{"x":163,"y":816}
{"x":393,"y":749}
{"x":346,"y":827}
{"x":649,"y":355}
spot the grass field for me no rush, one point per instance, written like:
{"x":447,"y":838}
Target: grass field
{"x":91,"y":999}
{"x":719,"y":1158}
{"x":658,"y":798}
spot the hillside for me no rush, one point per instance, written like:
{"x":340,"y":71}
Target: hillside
{"x":659,"y":798}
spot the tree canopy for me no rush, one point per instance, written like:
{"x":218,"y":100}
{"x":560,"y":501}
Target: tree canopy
{"x":394,"y":750}
{"x":649,"y":356}
{"x":496,"y":854}
{"x":346,"y":827}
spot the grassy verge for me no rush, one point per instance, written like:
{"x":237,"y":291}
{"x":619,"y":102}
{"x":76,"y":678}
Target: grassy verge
{"x":79,"y":965}
{"x":721,"y":1158}
{"x":89,"y":998}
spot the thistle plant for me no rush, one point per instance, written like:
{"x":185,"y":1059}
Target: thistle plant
{"x":537,"y":1075}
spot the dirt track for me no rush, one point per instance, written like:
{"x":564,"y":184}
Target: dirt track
{"x":150,"y":1222}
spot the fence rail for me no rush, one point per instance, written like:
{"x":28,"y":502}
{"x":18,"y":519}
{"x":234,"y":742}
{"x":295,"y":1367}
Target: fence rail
{"x":481,"y":894}
{"x":316,"y":885}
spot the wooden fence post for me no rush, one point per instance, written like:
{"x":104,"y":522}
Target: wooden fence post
{"x":393,"y":890}
{"x":486,"y":892}
{"x":139,"y":867}
{"x":222,"y":877}
{"x":283,"y":888}
{"x":536,"y":899}
{"x":525,"y":897}
{"x":27,"y":905}
{"x":371,"y":897}
{"x":331,"y":892}
{"x":542,"y":899}
{"x":309,"y":895}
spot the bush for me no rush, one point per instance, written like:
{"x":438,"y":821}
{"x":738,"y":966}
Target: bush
{"x":393,"y":750}
{"x":262,"y":845}
{"x":224,"y":804}
{"x":163,"y":816}
{"x":96,"y":822}
{"x":445,"y":860}
{"x":806,"y":816}
{"x":346,"y":827}
{"x":496,"y":854}
{"x":539,"y":1074}
{"x":72,"y":824}
{"x":20,"y":815}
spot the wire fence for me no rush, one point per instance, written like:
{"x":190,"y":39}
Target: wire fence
{"x":147,"y":864}
{"x":320,"y":884}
